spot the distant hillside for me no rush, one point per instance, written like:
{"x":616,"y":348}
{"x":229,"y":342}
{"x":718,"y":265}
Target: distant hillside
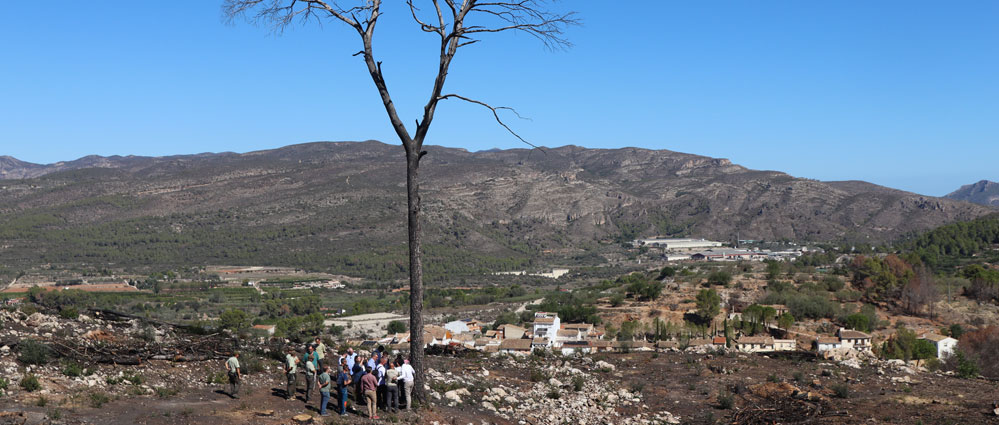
{"x":983,"y":193}
{"x":341,"y":207}
{"x":957,"y":243}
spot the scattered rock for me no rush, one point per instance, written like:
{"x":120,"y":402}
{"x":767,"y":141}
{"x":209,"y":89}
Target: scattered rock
{"x":303,"y":419}
{"x":604,"y":365}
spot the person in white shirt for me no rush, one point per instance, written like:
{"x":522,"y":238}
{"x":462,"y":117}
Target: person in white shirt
{"x":382,"y":387}
{"x":407,"y":374}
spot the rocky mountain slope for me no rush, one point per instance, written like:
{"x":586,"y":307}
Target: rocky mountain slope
{"x":327,"y":203}
{"x":984,"y":193}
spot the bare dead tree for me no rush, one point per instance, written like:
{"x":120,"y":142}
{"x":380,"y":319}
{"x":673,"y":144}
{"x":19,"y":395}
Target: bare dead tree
{"x":921,"y":291}
{"x":457,"y":23}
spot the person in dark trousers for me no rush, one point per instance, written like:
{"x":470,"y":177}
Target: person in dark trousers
{"x":320,"y":352}
{"x":342,"y":384}
{"x":358,"y":373}
{"x":324,"y":390}
{"x":233,"y":370}
{"x":391,"y":388}
{"x":382,"y":388}
{"x":291,"y":372}
{"x":310,"y":373}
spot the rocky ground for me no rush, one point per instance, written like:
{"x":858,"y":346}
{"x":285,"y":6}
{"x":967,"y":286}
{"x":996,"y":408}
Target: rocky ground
{"x":620,"y":388}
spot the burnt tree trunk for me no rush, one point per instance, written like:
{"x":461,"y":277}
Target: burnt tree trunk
{"x":415,"y":273}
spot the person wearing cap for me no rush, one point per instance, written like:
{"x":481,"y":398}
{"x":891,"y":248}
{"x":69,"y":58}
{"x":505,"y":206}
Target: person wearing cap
{"x":291,"y":372}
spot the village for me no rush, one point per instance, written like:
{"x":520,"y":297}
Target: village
{"x":549,"y":334}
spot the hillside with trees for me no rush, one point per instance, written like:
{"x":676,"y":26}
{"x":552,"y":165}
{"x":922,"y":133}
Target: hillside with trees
{"x":341,"y":207}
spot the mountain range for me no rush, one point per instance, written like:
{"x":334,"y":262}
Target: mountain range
{"x":984,"y":193}
{"x":341,"y":205}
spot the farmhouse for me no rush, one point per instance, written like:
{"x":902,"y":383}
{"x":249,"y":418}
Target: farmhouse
{"x":854,"y":339}
{"x":945,"y":345}
{"x":826,"y":343}
{"x":546,"y":324}
{"x":755,"y":344}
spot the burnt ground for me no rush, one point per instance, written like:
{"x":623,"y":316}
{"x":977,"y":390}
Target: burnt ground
{"x":789,"y":390}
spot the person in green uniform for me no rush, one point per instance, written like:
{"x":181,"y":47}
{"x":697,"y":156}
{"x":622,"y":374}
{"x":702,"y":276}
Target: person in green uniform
{"x":232,"y":368}
{"x":310,"y":374}
{"x":321,"y":354}
{"x":324,"y":390}
{"x":290,"y":371}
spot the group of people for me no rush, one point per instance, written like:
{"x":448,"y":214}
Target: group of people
{"x":377,"y":381}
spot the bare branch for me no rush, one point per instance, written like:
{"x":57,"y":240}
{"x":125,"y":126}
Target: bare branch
{"x":495,"y":110}
{"x":423,"y":25}
{"x":528,"y":16}
{"x":281,"y":13}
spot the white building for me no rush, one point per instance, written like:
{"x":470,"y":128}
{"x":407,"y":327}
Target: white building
{"x":826,"y":343}
{"x":729,"y":255}
{"x":854,"y":339}
{"x":546,"y":324}
{"x":945,"y":344}
{"x":457,"y":327}
{"x":755,"y":344}
{"x":677,"y":243}
{"x":785,"y":345}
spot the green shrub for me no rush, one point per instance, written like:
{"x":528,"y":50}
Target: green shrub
{"x":577,"y":383}
{"x":955,"y":331}
{"x":98,"y":399}
{"x":250,"y":363}
{"x":72,"y":370}
{"x":773,"y":378}
{"x":537,"y":375}
{"x":33,"y":352}
{"x":966,"y":367}
{"x":216,"y":377}
{"x":726,"y":400}
{"x":42,"y":401}
{"x":832,"y":283}
{"x":69,"y":313}
{"x":30,"y":383}
{"x":720,"y":277}
{"x":29,"y":309}
{"x":163,"y":392}
{"x":841,"y":390}
{"x":134,"y":379}
{"x":554,"y":394}
{"x":396,"y":327}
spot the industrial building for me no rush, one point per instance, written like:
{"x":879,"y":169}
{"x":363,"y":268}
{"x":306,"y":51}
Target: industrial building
{"x":677,"y":243}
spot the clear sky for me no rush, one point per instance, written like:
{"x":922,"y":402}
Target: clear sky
{"x":899,"y":93}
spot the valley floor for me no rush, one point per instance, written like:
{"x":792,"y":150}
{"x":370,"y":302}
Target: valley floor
{"x":635,"y":388}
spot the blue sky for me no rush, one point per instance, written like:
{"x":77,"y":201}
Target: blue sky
{"x":899,"y":93}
